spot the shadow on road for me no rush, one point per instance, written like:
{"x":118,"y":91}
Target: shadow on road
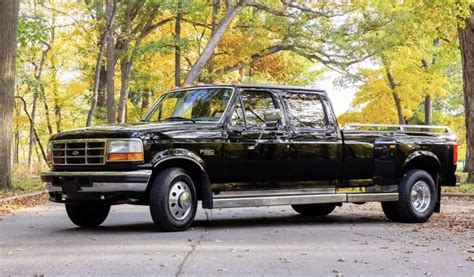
{"x":247,"y":222}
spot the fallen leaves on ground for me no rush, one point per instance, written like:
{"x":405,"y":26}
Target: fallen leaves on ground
{"x":22,"y":202}
{"x":457,"y":214}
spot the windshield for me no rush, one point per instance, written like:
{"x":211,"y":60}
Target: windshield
{"x":204,"y":104}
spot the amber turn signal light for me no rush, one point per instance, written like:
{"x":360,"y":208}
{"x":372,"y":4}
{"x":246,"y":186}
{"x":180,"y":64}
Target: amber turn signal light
{"x":126,"y":157}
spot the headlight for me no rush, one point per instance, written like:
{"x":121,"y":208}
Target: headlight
{"x":49,"y":153}
{"x":125,"y":150}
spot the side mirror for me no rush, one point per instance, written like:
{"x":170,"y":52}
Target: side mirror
{"x":272,"y":118}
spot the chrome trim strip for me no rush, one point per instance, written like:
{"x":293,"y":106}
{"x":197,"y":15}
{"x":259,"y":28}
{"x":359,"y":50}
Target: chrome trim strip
{"x":254,"y":201}
{"x":103,"y":187}
{"x":273,"y":192}
{"x":401,"y":128}
{"x":277,"y":200}
{"x":138,"y":173}
{"x":111,"y":187}
{"x":372,"y":197}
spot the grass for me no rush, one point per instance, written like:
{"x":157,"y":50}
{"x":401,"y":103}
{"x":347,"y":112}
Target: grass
{"x":22,"y":186}
{"x":463,"y":188}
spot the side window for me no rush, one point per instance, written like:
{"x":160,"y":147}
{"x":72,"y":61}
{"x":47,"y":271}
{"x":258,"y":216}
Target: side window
{"x":255,"y":103}
{"x":306,"y":110}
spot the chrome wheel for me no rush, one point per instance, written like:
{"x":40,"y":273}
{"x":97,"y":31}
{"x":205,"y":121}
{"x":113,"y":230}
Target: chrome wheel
{"x":420,"y":196}
{"x":180,"y":200}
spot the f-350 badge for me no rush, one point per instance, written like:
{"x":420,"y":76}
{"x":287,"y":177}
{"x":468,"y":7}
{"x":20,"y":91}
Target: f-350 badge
{"x":207,"y":152}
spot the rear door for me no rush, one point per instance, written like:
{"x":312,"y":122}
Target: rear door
{"x":255,"y":152}
{"x":315,"y":142}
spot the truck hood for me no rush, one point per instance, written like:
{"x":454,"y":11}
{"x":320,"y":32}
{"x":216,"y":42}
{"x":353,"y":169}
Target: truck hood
{"x":143,"y":130}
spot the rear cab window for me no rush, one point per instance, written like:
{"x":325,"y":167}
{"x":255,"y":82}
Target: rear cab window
{"x":306,"y":110}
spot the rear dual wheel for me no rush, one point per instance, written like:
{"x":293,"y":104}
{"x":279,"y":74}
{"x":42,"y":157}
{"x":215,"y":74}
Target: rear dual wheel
{"x":87,"y":215}
{"x":314,"y":209}
{"x":417,"y":198}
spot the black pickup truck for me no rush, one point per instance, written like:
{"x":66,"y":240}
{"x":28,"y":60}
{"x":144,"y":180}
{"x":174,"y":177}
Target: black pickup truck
{"x":248,"y":145}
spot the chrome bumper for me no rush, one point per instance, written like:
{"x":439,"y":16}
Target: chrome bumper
{"x":98,"y":181}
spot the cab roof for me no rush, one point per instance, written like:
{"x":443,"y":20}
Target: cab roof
{"x":257,"y":86}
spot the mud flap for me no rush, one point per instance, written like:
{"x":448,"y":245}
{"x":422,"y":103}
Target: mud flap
{"x":437,"y":208}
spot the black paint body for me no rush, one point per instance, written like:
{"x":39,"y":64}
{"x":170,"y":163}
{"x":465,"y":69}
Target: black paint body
{"x":325,"y":156}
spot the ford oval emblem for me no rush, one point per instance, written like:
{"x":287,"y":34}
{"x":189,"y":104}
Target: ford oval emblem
{"x":75,"y":153}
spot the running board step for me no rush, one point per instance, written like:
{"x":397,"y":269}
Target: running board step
{"x":252,"y":201}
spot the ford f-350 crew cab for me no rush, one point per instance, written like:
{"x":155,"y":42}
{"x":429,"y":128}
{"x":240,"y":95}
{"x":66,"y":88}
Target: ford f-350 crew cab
{"x":248,"y":145}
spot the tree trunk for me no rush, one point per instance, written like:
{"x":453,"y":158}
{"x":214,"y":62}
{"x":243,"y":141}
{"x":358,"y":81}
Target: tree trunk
{"x":16,"y":147}
{"x":32,"y":127}
{"x":428,"y":108}
{"x":101,"y":91}
{"x":124,"y":76}
{"x":177,"y":47}
{"x":465,"y":167}
{"x":110,"y":22}
{"x":466,"y":39}
{"x":46,"y":110}
{"x":8,"y":22}
{"x":396,"y":98}
{"x":110,"y":66}
{"x":57,"y":114}
{"x":16,"y":144}
{"x":211,"y":45}
{"x":125,"y":67}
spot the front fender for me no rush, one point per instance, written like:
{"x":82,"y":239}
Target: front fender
{"x":177,"y":153}
{"x":194,"y":164}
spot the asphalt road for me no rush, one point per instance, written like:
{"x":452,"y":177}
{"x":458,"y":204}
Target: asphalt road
{"x":272,"y":241}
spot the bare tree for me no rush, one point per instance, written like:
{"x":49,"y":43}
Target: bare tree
{"x":466,"y":39}
{"x":8,"y":30}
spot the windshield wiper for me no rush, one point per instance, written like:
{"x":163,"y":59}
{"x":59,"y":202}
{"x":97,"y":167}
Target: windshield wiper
{"x":180,"y":118}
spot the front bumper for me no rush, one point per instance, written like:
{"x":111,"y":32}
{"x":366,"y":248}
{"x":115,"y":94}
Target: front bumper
{"x":96,"y":181}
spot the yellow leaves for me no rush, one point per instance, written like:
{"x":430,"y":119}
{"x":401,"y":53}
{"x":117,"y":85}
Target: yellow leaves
{"x":416,"y":75}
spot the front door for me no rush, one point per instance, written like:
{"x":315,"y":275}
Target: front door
{"x":254,"y":151}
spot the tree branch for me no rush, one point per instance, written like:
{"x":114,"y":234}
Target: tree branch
{"x":155,"y":26}
{"x":43,"y":153}
{"x":267,"y":9}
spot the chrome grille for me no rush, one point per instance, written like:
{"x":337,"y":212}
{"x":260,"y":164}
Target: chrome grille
{"x":79,"y":152}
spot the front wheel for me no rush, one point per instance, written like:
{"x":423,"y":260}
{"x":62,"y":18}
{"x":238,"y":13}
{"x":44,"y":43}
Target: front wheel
{"x":314,"y":209}
{"x":173,"y":200}
{"x":417,"y":197}
{"x":87,"y":215}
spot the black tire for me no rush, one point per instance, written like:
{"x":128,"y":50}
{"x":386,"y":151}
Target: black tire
{"x":390,"y":209}
{"x":407,"y":210}
{"x":161,"y":193}
{"x":314,"y":209}
{"x":87,"y":215}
